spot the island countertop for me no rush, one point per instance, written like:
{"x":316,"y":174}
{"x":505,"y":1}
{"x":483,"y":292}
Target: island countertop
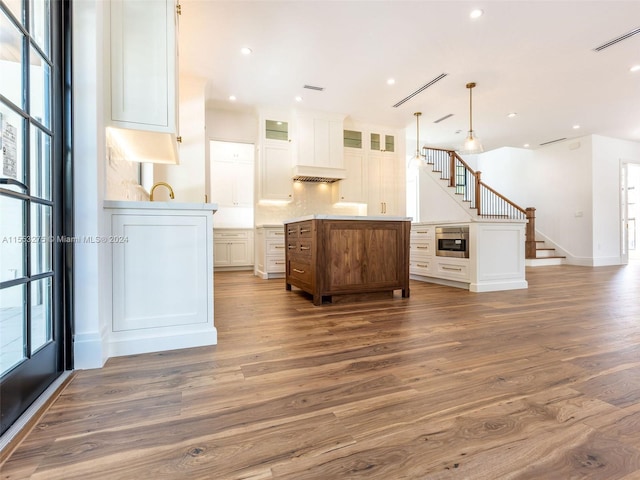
{"x":346,"y":217}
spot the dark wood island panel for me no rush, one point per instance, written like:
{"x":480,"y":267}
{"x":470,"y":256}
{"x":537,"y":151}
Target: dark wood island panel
{"x":327,"y":257}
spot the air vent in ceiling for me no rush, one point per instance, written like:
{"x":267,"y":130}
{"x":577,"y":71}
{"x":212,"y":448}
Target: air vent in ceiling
{"x":443,"y":118}
{"x":312,"y":87}
{"x":553,"y":141}
{"x":610,"y":43}
{"x":421,"y":89}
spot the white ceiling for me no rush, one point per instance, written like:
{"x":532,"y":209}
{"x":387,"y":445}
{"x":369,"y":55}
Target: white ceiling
{"x":535,"y":58}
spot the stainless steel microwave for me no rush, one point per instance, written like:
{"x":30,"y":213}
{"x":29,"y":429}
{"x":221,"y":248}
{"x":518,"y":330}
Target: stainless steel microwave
{"x":452,"y":241}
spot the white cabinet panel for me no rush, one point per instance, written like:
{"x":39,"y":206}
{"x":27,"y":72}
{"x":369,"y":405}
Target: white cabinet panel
{"x":275,"y":173}
{"x":143,"y":64}
{"x":270,"y":252}
{"x":352,"y":189}
{"x":233,"y":247}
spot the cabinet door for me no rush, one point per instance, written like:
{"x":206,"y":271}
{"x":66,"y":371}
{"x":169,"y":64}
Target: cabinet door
{"x":383,"y":185}
{"x":275,"y":173}
{"x":239,"y":253}
{"x":223,"y":183}
{"x":143,"y":79}
{"x":352,"y":189}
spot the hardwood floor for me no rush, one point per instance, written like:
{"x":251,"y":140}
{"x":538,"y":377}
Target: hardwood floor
{"x":542,"y":383}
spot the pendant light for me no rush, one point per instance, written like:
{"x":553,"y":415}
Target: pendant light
{"x":417,"y":160}
{"x":472,"y":142}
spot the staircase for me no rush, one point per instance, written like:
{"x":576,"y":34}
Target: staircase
{"x":467,"y":186}
{"x":545,"y":255}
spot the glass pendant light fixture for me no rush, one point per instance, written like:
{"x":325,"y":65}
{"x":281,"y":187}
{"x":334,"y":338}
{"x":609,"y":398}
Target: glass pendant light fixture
{"x":417,"y":160}
{"x":471,"y":142}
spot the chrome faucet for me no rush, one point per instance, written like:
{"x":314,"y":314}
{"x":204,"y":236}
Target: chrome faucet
{"x":164,"y":184}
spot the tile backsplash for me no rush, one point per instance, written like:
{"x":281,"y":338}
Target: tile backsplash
{"x":308,"y":199}
{"x":122,"y":175}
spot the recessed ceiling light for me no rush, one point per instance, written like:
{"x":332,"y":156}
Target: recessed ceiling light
{"x":477,"y":13}
{"x":512,"y":114}
{"x":298,"y":98}
{"x":391,"y":81}
{"x":526,"y":145}
{"x":232,"y":98}
{"x":576,"y":127}
{"x":635,"y":68}
{"x":246,"y":51}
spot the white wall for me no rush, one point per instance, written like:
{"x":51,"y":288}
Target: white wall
{"x":188,"y":178}
{"x":574,"y":186}
{"x":434,"y":204}
{"x":92,"y":310}
{"x":608,"y":154}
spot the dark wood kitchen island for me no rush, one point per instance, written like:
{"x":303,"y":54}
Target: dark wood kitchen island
{"x":329,"y":255}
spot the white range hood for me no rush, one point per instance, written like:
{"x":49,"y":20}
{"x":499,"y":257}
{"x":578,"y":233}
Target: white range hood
{"x":308,"y":173}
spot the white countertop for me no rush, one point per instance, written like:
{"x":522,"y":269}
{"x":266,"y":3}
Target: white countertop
{"x":270,"y":225}
{"x":126,"y":204}
{"x":470,"y":221}
{"x":345,"y":217}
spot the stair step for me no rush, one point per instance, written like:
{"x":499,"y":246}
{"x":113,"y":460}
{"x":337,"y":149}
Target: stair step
{"x":542,"y":262}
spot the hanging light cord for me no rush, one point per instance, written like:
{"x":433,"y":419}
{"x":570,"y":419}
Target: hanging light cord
{"x":417,"y":114}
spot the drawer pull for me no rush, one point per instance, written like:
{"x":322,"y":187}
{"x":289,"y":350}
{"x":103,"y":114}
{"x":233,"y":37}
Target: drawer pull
{"x":422,"y":247}
{"x":279,"y":263}
{"x":458,"y":269}
{"x":298,"y":271}
{"x":278,"y":246}
{"x":278,"y":233}
{"x":422,"y":265}
{"x":422,"y":231}
{"x":305,"y":230}
{"x":291,"y":232}
{"x":304,"y":248}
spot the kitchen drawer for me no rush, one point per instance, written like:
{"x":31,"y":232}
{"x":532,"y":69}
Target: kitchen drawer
{"x":300,"y":272}
{"x":222,"y":234}
{"x":418,"y":266}
{"x":272,"y":233}
{"x":422,"y":247}
{"x":454,"y":270}
{"x":276,"y":265}
{"x":276,"y":247}
{"x":300,"y":229}
{"x":419,"y":232}
{"x":299,"y":247}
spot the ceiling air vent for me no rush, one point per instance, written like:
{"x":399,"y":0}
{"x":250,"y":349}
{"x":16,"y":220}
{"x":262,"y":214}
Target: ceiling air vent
{"x":610,"y":43}
{"x":312,"y":87}
{"x":553,"y":141}
{"x":443,"y":118}
{"x":421,"y":89}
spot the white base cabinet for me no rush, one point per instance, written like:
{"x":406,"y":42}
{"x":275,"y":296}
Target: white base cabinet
{"x":233,"y":249}
{"x":270,"y":252}
{"x":496,"y":257}
{"x":161,"y":276}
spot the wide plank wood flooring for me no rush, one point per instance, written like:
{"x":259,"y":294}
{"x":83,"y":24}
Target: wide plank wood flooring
{"x":542,"y":383}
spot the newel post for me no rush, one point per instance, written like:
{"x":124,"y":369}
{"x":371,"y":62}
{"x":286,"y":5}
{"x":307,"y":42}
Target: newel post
{"x":530,"y":234}
{"x":452,"y":169}
{"x":478,"y":176}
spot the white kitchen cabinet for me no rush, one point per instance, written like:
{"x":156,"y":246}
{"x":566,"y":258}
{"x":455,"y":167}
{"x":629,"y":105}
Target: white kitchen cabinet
{"x":275,"y":178}
{"x":161,"y":276}
{"x":421,"y":250}
{"x":231,"y":174}
{"x":319,"y":140}
{"x":353,"y":188}
{"x":270,"y":259}
{"x":383,"y":184}
{"x":233,"y":248}
{"x":382,"y":142}
{"x":144,"y":65}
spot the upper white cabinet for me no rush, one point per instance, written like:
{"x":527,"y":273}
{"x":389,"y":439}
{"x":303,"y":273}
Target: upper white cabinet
{"x":275,"y":157}
{"x":382,"y":142}
{"x":352,"y":189}
{"x":319,"y":139}
{"x":144,"y":65}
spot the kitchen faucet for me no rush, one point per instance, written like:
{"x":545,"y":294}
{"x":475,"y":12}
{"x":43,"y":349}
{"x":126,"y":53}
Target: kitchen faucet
{"x":157,"y":185}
